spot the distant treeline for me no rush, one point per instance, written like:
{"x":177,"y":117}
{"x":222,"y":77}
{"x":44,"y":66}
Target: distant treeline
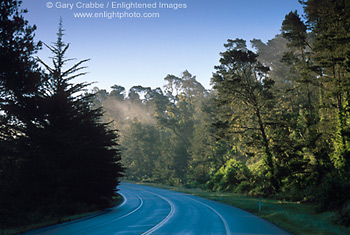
{"x":276,"y":123}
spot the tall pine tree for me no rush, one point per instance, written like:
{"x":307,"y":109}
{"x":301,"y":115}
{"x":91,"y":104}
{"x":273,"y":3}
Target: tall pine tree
{"x":72,"y":156}
{"x":19,"y":80}
{"x":245,"y":101}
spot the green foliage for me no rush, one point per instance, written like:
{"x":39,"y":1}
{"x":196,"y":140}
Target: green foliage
{"x":157,"y":129}
{"x":330,"y":24}
{"x":245,"y":101}
{"x":331,"y":194}
{"x":343,"y":217}
{"x":142,"y":150}
{"x":233,"y":176}
{"x":294,"y":30}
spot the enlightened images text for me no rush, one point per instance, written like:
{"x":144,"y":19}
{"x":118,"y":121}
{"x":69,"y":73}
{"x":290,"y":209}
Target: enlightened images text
{"x":119,"y":5}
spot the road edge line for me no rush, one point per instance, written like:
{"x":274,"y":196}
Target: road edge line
{"x":216,"y":212}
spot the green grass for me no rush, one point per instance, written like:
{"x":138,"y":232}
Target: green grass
{"x":294,"y":217}
{"x":47,"y":221}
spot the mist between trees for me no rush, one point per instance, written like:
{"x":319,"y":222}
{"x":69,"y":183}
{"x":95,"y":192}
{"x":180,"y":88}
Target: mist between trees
{"x":276,"y":122}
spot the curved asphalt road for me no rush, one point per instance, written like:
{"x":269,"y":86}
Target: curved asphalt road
{"x":148,"y":210}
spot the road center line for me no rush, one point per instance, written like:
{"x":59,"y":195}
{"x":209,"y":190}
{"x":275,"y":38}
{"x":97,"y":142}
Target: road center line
{"x":171,"y":213}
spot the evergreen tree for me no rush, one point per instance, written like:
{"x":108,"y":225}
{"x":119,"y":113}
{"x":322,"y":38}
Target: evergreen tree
{"x":245,"y":100}
{"x":141,"y":151}
{"x":207,"y":153}
{"x":19,"y":80}
{"x":72,"y":157}
{"x":311,"y":128}
{"x":19,"y":74}
{"x":329,"y":21}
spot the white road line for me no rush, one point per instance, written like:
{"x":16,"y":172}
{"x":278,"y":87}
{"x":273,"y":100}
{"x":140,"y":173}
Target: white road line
{"x":171,"y":213}
{"x":129,"y":212}
{"x":211,"y":208}
{"x":55,"y":226}
{"x":110,"y":221}
{"x":124,"y":200}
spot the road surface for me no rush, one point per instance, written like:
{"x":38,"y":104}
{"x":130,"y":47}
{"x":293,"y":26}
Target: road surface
{"x":147,"y":210}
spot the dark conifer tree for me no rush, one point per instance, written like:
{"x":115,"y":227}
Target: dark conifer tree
{"x":72,"y":156}
{"x":19,"y":76}
{"x":19,"y":80}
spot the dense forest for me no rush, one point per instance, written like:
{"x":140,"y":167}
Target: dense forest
{"x":276,"y":122}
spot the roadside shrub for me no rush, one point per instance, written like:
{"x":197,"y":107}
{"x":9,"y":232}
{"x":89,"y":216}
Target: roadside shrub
{"x":261,"y":185}
{"x":332,"y":194}
{"x":343,"y":217}
{"x":229,"y":176}
{"x":244,"y":187}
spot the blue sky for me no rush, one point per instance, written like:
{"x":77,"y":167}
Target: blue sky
{"x":142,"y":51}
